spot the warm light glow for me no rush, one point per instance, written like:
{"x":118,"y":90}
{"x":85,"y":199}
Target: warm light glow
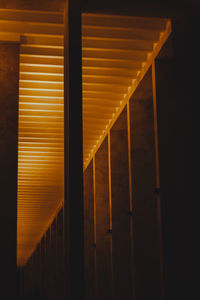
{"x":115,"y":56}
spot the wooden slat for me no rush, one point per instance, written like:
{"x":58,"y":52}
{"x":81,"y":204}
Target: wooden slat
{"x":123,"y":21}
{"x":34,"y":27}
{"x":118,"y":32}
{"x":31,"y":16}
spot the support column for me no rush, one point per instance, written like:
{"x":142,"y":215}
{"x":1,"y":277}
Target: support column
{"x":146,"y":245}
{"x":73,"y":201}
{"x":43,"y":265}
{"x":48,"y":270}
{"x":37,"y":273}
{"x":103,"y":234}
{"x":60,"y":258}
{"x":120,"y":209}
{"x":89,"y":250}
{"x":173,"y":91}
{"x":9,"y":91}
{"x":28,"y":279}
{"x":53,"y":261}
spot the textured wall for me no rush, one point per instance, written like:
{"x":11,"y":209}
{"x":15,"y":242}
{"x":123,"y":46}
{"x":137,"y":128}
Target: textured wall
{"x":9,"y":81}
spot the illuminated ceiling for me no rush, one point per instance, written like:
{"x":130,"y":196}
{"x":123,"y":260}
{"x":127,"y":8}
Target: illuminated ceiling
{"x":116,"y":53}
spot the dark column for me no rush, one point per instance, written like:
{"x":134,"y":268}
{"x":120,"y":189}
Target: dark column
{"x":37,"y":274}
{"x":89,"y":249}
{"x":9,"y":84}
{"x":120,"y":209}
{"x":48,"y":270}
{"x":146,"y":245}
{"x":52,"y":287}
{"x":73,"y":202}
{"x":43,"y":265}
{"x":103,"y":258}
{"x":20,"y":283}
{"x":173,"y":91}
{"x":60,"y":258}
{"x":28,"y":279}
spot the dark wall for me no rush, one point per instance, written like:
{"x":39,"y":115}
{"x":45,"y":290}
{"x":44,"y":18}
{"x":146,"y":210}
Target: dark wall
{"x":9,"y":84}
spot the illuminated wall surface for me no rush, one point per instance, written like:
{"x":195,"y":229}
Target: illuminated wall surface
{"x":116,"y":53}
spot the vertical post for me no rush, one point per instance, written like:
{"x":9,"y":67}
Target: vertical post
{"x":172,"y":94}
{"x":60,"y":281}
{"x":47,"y":265}
{"x":53,"y":261}
{"x":120,"y":209}
{"x":146,"y":248}
{"x":95,"y":229}
{"x":9,"y":91}
{"x":103,"y":233}
{"x":131,"y":200}
{"x":129,"y":158}
{"x":110,"y":214}
{"x":157,"y":179}
{"x":56,"y":255}
{"x":109,"y":176}
{"x":73,"y":201}
{"x":155,"y":125}
{"x":95,"y":223}
{"x":89,"y":254}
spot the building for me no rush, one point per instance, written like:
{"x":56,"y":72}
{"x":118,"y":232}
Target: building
{"x":133,"y":254}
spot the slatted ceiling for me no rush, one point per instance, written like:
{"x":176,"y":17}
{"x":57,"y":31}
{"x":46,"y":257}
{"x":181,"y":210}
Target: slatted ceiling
{"x":114,"y":43}
{"x":115,"y":50}
{"x":41,"y":137}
